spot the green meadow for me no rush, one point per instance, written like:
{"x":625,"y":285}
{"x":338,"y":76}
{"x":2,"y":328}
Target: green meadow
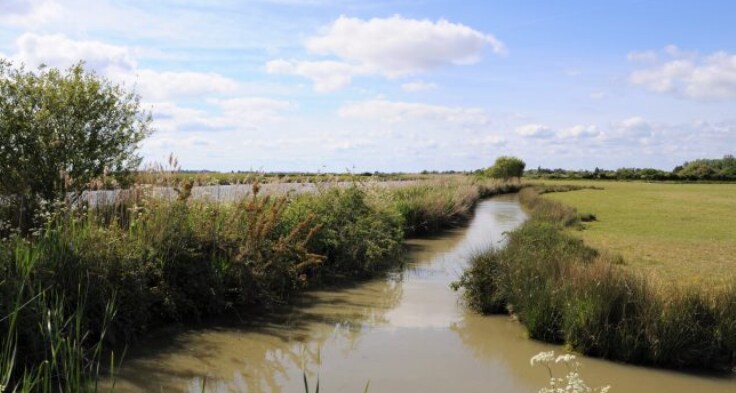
{"x":677,"y":232}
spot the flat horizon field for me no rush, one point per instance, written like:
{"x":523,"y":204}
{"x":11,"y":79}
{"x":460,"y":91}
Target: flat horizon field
{"x":682,"y":233}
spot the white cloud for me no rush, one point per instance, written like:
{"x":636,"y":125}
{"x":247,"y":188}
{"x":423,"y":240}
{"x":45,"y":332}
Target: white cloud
{"x":395,"y":111}
{"x":635,"y":127}
{"x":244,"y":114}
{"x":162,"y":85}
{"x":711,"y":77}
{"x":327,"y":75}
{"x":598,"y":95}
{"x":59,"y":51}
{"x":170,"y":118}
{"x":28,"y":13}
{"x":399,"y":46}
{"x":580,"y":131}
{"x":635,"y":122}
{"x":534,"y":131}
{"x":490,"y":140}
{"x":418,"y":86}
{"x":119,"y":64}
{"x":254,"y":109}
{"x":649,"y":56}
{"x":391,"y":47}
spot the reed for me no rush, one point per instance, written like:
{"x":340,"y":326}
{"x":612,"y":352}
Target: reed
{"x":178,"y":260}
{"x":566,"y":292}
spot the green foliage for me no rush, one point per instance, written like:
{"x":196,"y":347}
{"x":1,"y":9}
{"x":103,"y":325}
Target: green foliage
{"x":182,"y":260}
{"x":430,"y":207}
{"x":699,"y":170}
{"x":59,"y":130}
{"x":719,"y":169}
{"x":506,"y":168}
{"x":358,"y":237}
{"x":564,"y":291}
{"x":48,"y":342}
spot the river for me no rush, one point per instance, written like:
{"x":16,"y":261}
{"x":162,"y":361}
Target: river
{"x":405,"y":333}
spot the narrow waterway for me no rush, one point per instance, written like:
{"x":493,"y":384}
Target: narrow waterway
{"x":405,"y":333}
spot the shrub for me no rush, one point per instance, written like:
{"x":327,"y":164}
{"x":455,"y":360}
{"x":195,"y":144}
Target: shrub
{"x":59,"y":130}
{"x":357,"y":236}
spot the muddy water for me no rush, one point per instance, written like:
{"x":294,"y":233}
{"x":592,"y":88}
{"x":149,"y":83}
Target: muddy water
{"x":404,"y":333}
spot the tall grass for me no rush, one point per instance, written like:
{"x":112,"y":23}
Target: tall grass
{"x":48,"y":342}
{"x":566,"y":292}
{"x":439,"y":204}
{"x":181,"y":261}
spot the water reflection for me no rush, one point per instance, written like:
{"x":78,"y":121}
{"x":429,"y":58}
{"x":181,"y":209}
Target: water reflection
{"x":258,"y":355}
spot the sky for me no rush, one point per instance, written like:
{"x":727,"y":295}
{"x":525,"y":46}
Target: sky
{"x":410,"y":85}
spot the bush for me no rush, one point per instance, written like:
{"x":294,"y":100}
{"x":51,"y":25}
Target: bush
{"x":59,"y":130}
{"x":506,"y":168}
{"x":357,"y":236}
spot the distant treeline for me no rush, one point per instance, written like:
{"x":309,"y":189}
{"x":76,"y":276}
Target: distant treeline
{"x":723,"y":169}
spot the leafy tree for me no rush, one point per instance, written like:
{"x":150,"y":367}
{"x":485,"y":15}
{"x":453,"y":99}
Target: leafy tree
{"x":506,"y":168}
{"x":61,"y":129}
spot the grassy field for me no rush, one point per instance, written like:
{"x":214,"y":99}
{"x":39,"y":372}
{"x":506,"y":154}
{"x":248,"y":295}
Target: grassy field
{"x":678,"y":232}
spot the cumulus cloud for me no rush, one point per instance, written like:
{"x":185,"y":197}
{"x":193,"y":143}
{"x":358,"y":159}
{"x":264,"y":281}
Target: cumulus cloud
{"x":392,"y":47}
{"x":649,"y":56}
{"x":327,"y":75}
{"x":254,"y":109}
{"x":161,"y":85}
{"x":59,"y":51}
{"x":418,"y":86}
{"x":396,"y":111}
{"x":28,"y":13}
{"x":119,"y":64}
{"x":636,"y":126}
{"x":579,"y":131}
{"x":490,"y":140}
{"x":534,"y":131}
{"x":398,"y":46}
{"x":711,"y":77}
{"x":234,"y":114}
{"x":170,"y":119}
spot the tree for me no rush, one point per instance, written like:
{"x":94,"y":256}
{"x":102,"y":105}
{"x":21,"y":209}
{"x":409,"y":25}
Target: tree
{"x":61,"y":129}
{"x":506,"y":168}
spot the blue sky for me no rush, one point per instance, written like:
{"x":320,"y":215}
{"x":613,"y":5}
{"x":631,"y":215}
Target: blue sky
{"x":335,"y":85}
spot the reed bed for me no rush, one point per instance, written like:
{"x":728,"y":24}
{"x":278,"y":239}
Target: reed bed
{"x":563,"y":291}
{"x":105,"y":274}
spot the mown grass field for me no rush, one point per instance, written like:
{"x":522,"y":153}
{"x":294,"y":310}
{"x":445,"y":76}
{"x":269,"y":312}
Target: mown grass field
{"x":678,"y":232}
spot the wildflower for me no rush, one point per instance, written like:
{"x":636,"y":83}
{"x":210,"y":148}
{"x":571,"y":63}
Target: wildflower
{"x":567,"y":358}
{"x":542,"y":358}
{"x":572,"y":382}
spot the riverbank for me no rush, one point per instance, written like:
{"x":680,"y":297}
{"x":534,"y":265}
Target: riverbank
{"x":564,"y":291}
{"x":109,"y":274}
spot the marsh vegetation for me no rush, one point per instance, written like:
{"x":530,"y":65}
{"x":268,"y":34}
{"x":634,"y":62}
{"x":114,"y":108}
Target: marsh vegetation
{"x":564,"y":291}
{"x":152,"y":262}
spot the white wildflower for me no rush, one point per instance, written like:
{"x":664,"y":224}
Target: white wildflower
{"x":542,"y":358}
{"x":572,"y":382}
{"x":566,"y":358}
